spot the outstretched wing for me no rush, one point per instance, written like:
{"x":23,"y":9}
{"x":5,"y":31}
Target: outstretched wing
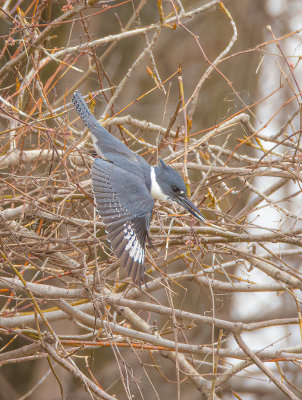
{"x":125,"y":204}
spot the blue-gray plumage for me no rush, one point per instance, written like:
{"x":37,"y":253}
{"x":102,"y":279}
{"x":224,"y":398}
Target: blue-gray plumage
{"x":125,"y":186}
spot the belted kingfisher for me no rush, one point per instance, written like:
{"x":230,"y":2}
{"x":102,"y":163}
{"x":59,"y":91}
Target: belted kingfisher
{"x":125,"y":186}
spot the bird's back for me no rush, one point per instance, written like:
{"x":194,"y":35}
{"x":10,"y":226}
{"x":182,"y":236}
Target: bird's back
{"x":109,"y":147}
{"x":103,"y":140}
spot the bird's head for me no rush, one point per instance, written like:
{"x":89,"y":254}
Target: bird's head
{"x":168,"y":185}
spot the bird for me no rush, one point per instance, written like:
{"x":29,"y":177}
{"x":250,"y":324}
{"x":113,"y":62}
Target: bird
{"x":125,"y":186}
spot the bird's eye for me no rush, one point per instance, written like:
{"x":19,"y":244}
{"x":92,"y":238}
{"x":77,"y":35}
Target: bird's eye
{"x":175,"y":189}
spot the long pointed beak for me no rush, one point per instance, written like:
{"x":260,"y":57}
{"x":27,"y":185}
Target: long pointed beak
{"x":189,"y":206}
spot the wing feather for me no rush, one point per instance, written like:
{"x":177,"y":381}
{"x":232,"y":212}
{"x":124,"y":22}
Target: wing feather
{"x":125,"y":204}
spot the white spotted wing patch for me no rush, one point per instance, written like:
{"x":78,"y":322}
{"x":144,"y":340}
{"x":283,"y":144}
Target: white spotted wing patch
{"x":127,"y":218}
{"x":134,"y":247}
